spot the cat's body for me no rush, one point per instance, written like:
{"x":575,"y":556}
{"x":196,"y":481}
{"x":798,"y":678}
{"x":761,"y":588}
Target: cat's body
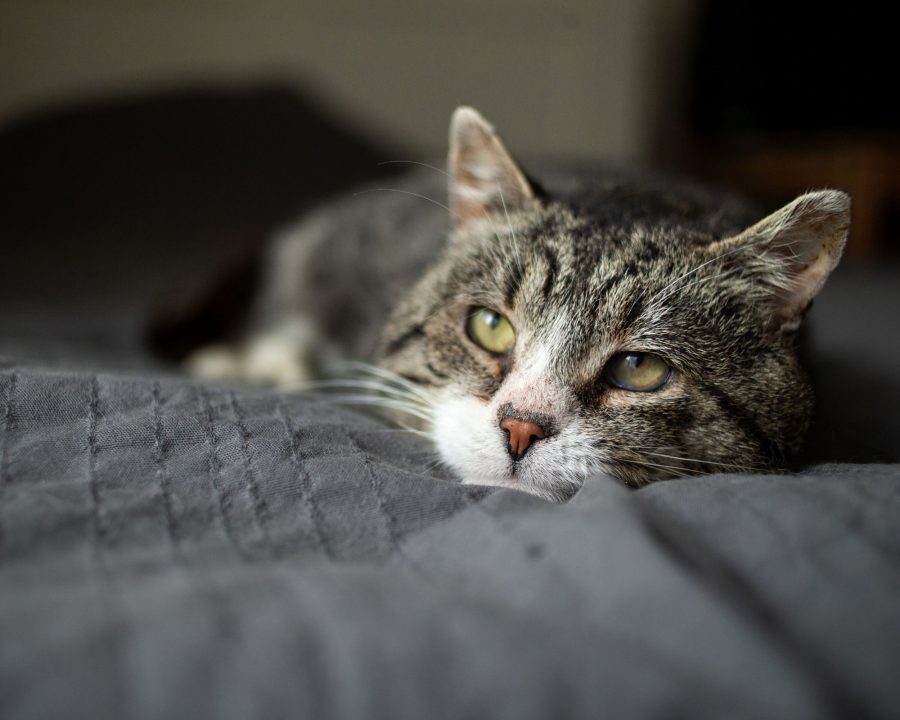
{"x":595,"y":322}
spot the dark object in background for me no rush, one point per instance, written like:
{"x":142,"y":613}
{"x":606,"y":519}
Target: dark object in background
{"x":785,"y":97}
{"x":136,"y":198}
{"x":765,"y":67}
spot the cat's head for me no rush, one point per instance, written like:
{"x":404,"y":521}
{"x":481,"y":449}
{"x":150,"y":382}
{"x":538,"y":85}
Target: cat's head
{"x":642,"y":341}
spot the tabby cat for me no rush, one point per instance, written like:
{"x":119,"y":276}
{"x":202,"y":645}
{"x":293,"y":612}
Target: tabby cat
{"x":541,"y":332}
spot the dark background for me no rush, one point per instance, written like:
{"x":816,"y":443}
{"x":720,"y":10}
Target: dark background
{"x":141,"y":143}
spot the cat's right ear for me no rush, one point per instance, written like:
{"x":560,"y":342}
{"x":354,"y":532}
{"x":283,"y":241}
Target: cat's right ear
{"x":485,"y":181}
{"x":791,"y":252}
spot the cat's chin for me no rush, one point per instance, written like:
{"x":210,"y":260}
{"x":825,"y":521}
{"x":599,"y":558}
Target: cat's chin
{"x":468,"y":440}
{"x":554,"y":493}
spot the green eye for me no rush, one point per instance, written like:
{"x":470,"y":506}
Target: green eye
{"x":638,"y":372}
{"x":491,"y":331}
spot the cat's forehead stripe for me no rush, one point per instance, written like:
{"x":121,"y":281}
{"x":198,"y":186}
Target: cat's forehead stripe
{"x":552,"y":269}
{"x":513,"y":281}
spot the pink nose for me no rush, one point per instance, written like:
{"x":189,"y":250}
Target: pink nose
{"x":521,"y":434}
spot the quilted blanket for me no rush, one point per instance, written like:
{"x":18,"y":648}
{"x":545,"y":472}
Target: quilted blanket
{"x":174,"y":550}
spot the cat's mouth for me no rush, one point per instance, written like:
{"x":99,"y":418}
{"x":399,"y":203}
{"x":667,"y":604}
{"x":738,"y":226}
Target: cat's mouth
{"x":518,"y":475}
{"x":485,"y":445}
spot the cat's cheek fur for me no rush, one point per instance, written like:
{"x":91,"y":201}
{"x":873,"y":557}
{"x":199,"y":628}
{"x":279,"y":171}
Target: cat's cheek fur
{"x":469,"y":440}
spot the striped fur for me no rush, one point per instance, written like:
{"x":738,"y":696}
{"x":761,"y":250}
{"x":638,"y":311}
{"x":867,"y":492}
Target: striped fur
{"x":585,"y":265}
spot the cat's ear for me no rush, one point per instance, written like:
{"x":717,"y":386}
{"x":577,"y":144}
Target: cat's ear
{"x":484,"y":179}
{"x":792,"y":251}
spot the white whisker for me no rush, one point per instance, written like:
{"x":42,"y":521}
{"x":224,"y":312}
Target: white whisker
{"x":700,"y":281}
{"x":730,"y":466}
{"x":406,"y":429}
{"x":661,"y":466}
{"x":515,"y":240}
{"x":374,"y":385}
{"x":662,"y":295}
{"x":390,"y":377}
{"x":384,"y":403}
{"x":404,"y":192}
{"x":414,"y":162}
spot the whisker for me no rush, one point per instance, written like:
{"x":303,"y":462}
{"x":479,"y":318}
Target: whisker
{"x":660,"y":466}
{"x":424,"y":197}
{"x":663,"y":294}
{"x":406,"y":429}
{"x":515,"y":240}
{"x":404,"y":192}
{"x":414,"y":162}
{"x":389,"y":376}
{"x":673,"y":285}
{"x":388,"y":404}
{"x":439,"y":462}
{"x":375,"y":399}
{"x":729,"y":466}
{"x":374,"y":385}
{"x":653,"y":450}
{"x":708,"y":278}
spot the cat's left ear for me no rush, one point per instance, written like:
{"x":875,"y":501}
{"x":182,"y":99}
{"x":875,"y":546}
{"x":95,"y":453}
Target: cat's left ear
{"x":485,"y":181}
{"x":792,"y":251}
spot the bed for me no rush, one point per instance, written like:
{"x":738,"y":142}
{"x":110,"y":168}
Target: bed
{"x":176,"y":549}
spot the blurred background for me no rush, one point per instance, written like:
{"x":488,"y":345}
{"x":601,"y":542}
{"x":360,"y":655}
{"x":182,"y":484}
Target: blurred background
{"x":144,"y":141}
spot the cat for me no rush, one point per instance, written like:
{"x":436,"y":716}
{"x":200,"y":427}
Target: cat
{"x":539,"y":332}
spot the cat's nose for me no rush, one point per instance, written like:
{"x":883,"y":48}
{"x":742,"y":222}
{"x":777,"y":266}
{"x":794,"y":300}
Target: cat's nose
{"x":522,"y":435}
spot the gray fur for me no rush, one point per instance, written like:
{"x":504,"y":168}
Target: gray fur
{"x":586,"y":265}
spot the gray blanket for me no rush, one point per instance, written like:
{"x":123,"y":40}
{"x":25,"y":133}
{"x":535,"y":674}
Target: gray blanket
{"x":172,"y":550}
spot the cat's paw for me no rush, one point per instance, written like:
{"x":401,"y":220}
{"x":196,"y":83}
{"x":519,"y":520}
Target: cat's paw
{"x":219,"y":363}
{"x":275,"y":360}
{"x":280,"y":357}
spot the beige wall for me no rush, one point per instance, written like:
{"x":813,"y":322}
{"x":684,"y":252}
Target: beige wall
{"x":576,"y":79}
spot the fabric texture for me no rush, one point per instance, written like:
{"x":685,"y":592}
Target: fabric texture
{"x":173,"y":550}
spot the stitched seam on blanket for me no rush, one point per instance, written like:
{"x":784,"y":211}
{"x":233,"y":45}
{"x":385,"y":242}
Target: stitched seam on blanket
{"x":8,"y":424}
{"x":389,"y":521}
{"x":99,"y":530}
{"x":305,"y":480}
{"x":110,"y":594}
{"x":260,"y":508}
{"x":8,"y":421}
{"x":726,"y":582}
{"x":162,"y":472}
{"x":840,"y":519}
{"x":214,"y":470}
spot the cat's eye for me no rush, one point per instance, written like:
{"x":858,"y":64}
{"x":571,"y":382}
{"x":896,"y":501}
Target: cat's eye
{"x":490,"y":331}
{"x":638,"y":372}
